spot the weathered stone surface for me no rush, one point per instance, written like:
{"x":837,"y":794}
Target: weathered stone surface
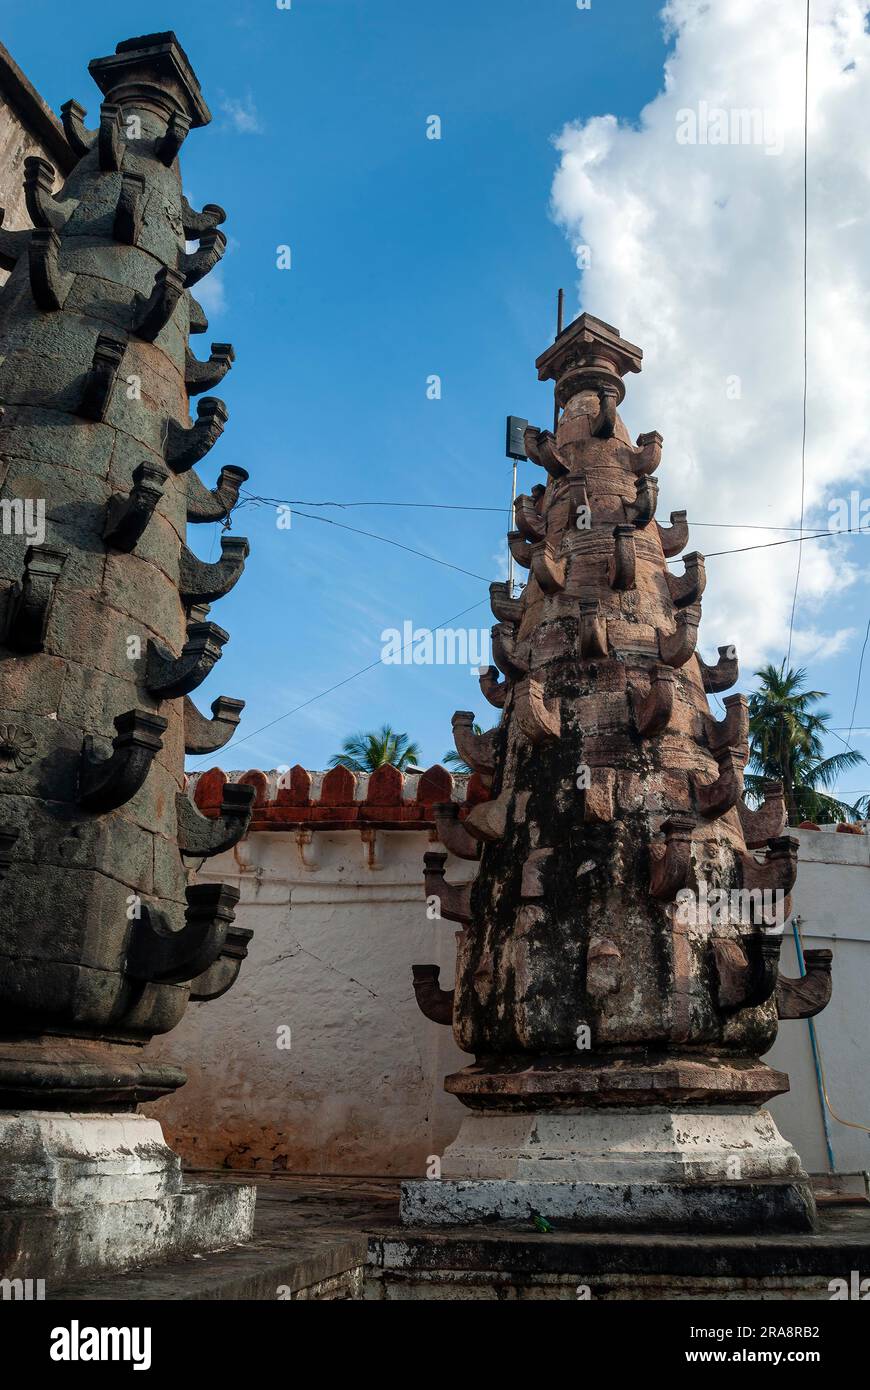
{"x":616,"y":798}
{"x":101,"y":933}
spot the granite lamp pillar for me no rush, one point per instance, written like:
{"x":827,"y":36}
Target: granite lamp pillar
{"x":104,"y":635}
{"x":617,"y":973}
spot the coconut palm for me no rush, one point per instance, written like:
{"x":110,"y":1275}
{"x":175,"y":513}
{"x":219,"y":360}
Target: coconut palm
{"x":786,"y":745}
{"x":364,"y":752}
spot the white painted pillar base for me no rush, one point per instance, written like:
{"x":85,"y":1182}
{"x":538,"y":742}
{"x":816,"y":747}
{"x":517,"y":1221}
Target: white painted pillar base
{"x":103,"y":1192}
{"x":618,"y":1168}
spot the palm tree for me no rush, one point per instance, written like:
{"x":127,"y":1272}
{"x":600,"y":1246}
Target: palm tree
{"x":454,"y":760}
{"x":364,"y":752}
{"x":786,"y":745}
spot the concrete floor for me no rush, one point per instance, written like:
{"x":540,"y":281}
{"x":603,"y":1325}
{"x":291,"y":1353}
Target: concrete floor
{"x":339,"y":1238}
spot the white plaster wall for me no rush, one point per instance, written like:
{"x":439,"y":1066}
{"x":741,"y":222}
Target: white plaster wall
{"x":832,"y":902}
{"x":361,"y":1089}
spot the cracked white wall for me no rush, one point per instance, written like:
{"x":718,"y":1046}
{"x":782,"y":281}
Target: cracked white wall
{"x":360,"y":1090}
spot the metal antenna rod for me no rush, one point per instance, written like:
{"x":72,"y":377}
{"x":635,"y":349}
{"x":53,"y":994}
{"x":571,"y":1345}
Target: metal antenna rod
{"x":560,"y":323}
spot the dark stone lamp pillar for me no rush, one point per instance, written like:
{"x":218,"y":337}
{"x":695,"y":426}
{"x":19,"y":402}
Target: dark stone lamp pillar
{"x":104,"y":635}
{"x":617,"y":955}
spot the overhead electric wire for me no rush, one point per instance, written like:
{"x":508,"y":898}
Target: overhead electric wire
{"x":806,"y":374}
{"x":254,"y":499}
{"x":238,"y":743}
{"x":858,"y":682}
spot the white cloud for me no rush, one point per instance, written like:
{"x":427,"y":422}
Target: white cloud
{"x":211,"y":293}
{"x":696,"y":253}
{"x":242,"y":114}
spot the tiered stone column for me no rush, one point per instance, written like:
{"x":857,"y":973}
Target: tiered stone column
{"x":105,"y":633}
{"x":615,"y":999}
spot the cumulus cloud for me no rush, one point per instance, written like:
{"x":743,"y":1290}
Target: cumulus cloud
{"x":241,"y":114}
{"x":212,"y":293}
{"x":695,"y":251}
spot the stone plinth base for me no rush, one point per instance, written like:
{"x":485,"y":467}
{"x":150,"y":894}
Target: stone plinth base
{"x":614,"y":1168}
{"x":97,"y":1192}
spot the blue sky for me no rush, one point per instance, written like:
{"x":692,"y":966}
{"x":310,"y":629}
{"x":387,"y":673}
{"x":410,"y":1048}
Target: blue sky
{"x":410,"y":257}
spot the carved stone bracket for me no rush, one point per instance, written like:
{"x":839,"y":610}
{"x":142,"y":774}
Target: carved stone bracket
{"x":621,"y":573}
{"x":30,"y":601}
{"x":169,"y":144}
{"x":196,"y":314}
{"x":671,"y":859}
{"x":538,"y":718}
{"x":743,"y":983}
{"x":778,"y":871}
{"x":549,"y":571}
{"x":43,"y":208}
{"x":520,"y":548}
{"x":169,"y":677}
{"x":688,"y":587}
{"x":451,"y":832}
{"x":196,"y":223}
{"x":97,"y":389}
{"x":110,"y":138}
{"x":768,"y":821}
{"x":724,"y":674}
{"x":200,"y":582}
{"x":454,"y":898}
{"x":203,"y":735}
{"x":649,"y":454}
{"x":504,"y":652}
{"x":127,"y":516}
{"x":49,"y":285}
{"x":676,"y":647}
{"x":196,"y":264}
{"x":492,"y":689}
{"x":504,"y":608}
{"x":528,"y":520}
{"x":130,"y":209}
{"x":808,"y":995}
{"x":713,"y":799}
{"x":603,"y":424}
{"x":675,"y":537}
{"x":477,"y":750}
{"x":154,"y":313}
{"x":222,"y":975}
{"x":203,"y":836}
{"x":593,"y":630}
{"x":159,"y":954}
{"x":214,"y":504}
{"x":540,"y":446}
{"x":733,"y":730}
{"x":434,"y":1002}
{"x":652,"y":712}
{"x":106,"y":783}
{"x":186,"y":446}
{"x":205,"y":376}
{"x":80,"y":140}
{"x":642,"y":510}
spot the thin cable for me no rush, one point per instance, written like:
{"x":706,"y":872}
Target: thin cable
{"x":804,"y":412}
{"x":858,"y":683}
{"x":329,"y":521}
{"x":767,"y":545}
{"x":238,"y":743}
{"x":254,"y":499}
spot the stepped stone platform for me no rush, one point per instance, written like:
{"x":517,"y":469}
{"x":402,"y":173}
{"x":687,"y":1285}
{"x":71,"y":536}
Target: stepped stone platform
{"x":340,"y":1239}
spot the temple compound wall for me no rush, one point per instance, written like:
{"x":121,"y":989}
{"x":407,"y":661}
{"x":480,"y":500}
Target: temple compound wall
{"x":333,"y":896}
